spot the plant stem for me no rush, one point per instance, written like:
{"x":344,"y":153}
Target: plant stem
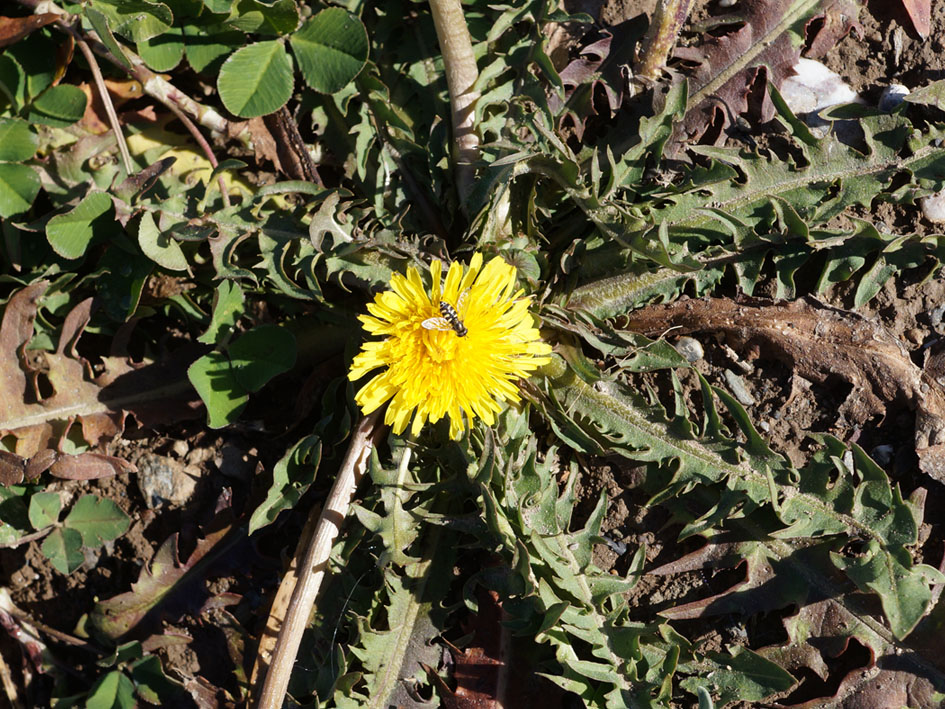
{"x":461,"y":75}
{"x":668,"y":18}
{"x":204,"y":146}
{"x":315,"y":563}
{"x":109,"y":107}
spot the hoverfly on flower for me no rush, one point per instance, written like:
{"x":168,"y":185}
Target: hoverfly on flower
{"x":450,"y":319}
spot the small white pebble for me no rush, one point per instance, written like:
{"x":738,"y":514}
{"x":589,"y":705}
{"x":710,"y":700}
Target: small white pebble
{"x":933,"y":207}
{"x":690,"y":348}
{"x":892,"y":97}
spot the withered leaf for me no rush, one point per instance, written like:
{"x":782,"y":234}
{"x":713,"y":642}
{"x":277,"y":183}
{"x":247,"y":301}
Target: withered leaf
{"x":163,"y":575}
{"x":98,"y":402}
{"x":815,"y":340}
{"x":89,"y":466}
{"x":12,"y":469}
{"x":763,"y":49}
{"x":13,"y":29}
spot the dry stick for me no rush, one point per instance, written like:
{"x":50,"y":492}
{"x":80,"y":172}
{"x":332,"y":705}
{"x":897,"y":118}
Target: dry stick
{"x":668,"y":19}
{"x":461,"y":75}
{"x":52,"y":632}
{"x":204,"y":145}
{"x":9,"y":686}
{"x":109,"y":107}
{"x":312,"y":570}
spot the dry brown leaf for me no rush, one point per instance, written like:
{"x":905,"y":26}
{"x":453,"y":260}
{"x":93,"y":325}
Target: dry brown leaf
{"x":735,"y":68}
{"x":817,"y":341}
{"x":13,"y":29}
{"x":97,"y":402}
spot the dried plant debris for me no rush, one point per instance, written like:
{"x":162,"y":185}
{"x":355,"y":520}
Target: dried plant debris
{"x":818,"y":341}
{"x":763,"y":45}
{"x":98,"y":402}
{"x":593,"y":82}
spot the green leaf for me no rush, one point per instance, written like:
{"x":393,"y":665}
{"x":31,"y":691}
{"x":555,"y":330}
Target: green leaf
{"x":256,"y":79}
{"x":71,"y":233}
{"x":930,"y":95}
{"x":113,"y":691}
{"x":261,"y":354}
{"x":206,"y":47}
{"x":225,"y":380}
{"x":17,"y":141}
{"x":14,"y":516}
{"x":331,"y":49}
{"x":291,"y":477}
{"x":152,"y":684}
{"x":219,"y":7}
{"x":160,"y":248}
{"x":59,"y":106}
{"x":163,"y":52}
{"x":252,"y":16}
{"x":44,"y":509}
{"x":137,"y":20}
{"x":223,"y":397}
{"x":902,"y":587}
{"x":743,"y":675}
{"x":100,"y":24}
{"x":227,"y":310}
{"x":12,"y":82}
{"x":19,"y":185}
{"x":63,"y":548}
{"x":98,"y":520}
{"x":36,"y":58}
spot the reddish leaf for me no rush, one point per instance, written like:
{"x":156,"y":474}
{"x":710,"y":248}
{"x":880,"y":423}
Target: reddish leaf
{"x":89,"y":466}
{"x":920,"y":12}
{"x":13,"y":29}
{"x":12,"y":469}
{"x":731,"y":67}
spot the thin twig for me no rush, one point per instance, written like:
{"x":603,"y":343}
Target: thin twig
{"x":312,"y":570}
{"x":107,"y":102}
{"x":52,"y":632}
{"x":204,"y":145}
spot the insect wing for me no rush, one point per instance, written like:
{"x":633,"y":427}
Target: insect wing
{"x":436,"y":324}
{"x":461,"y":303}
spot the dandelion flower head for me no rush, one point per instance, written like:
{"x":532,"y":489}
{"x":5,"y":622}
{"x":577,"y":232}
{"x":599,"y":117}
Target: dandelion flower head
{"x":486,"y":341}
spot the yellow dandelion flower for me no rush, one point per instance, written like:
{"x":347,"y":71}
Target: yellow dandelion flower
{"x":460,"y":358}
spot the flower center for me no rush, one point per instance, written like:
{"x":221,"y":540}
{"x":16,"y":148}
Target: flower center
{"x":440,"y":345}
